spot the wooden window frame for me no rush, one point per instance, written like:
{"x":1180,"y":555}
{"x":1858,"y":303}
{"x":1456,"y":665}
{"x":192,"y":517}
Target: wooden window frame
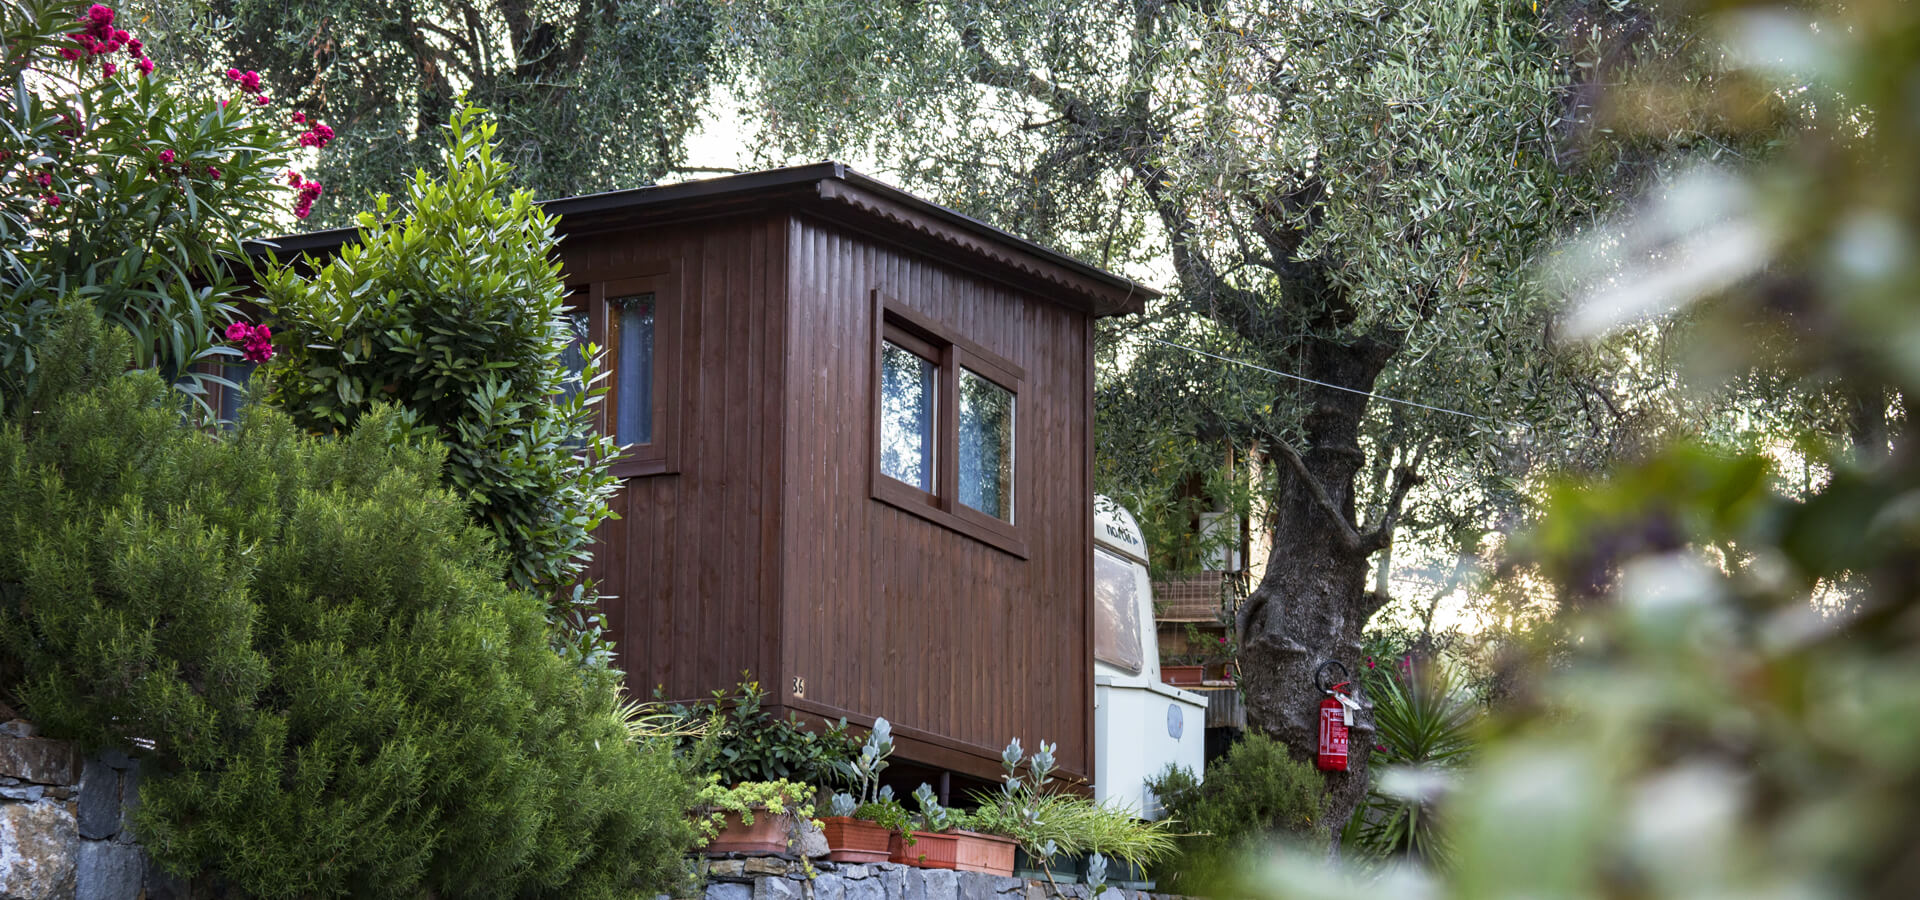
{"x":662,"y":278}
{"x":896,"y":322}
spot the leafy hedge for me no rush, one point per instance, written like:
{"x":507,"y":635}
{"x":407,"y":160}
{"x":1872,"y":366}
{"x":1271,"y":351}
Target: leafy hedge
{"x":1256,"y":792}
{"x":342,"y":697}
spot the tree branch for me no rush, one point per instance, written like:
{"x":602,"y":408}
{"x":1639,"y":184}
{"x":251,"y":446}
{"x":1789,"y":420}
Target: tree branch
{"x":1348,"y":537}
{"x":1405,"y":478}
{"x":1130,"y":139}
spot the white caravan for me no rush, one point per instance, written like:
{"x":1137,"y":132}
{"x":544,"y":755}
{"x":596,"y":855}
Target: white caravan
{"x":1139,"y":724}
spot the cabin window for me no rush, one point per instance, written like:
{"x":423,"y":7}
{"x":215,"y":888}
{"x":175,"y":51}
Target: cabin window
{"x":632,"y":325}
{"x":907,"y":385}
{"x":986,"y":446}
{"x":632,"y":321}
{"x":1116,"y":619}
{"x":946,"y":432}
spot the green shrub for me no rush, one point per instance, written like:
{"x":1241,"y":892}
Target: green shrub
{"x":1256,"y":793}
{"x":1031,"y":808}
{"x":743,"y":742}
{"x":450,"y":305}
{"x":1426,"y":727}
{"x":340,"y":695}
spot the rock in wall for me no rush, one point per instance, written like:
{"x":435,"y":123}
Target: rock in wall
{"x":63,"y":824}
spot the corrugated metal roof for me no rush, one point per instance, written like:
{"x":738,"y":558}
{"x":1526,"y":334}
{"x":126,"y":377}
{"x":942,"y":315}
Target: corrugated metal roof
{"x":612,"y":204}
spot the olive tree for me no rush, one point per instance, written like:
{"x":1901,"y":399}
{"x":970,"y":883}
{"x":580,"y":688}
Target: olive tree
{"x":1356,"y":193}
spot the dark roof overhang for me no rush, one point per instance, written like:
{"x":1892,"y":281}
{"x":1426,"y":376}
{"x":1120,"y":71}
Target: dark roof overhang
{"x":834,"y":191}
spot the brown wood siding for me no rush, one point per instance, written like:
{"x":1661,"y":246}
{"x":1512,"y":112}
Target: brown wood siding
{"x":959,"y":644}
{"x":693,"y":559}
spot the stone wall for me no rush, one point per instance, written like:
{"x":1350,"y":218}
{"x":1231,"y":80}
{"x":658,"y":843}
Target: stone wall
{"x":63,"y":823}
{"x":775,"y":878}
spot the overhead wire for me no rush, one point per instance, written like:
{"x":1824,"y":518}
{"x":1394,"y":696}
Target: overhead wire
{"x":1303,"y":378}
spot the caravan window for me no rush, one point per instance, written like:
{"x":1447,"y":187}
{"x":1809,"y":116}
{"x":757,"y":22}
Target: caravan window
{"x":1116,"y":611}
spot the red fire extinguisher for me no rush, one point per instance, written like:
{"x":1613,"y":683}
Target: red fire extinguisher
{"x":1336,"y":716}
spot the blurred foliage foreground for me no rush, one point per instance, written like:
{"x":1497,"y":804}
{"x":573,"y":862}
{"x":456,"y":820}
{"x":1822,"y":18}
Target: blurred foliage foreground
{"x":1737,"y":714}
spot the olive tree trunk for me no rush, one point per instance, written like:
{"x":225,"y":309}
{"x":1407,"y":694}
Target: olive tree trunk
{"x":1312,"y":603}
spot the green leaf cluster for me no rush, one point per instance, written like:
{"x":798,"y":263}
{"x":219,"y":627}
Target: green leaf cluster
{"x":309,"y":643}
{"x":1048,"y":822}
{"x":1426,"y":729}
{"x":590,"y":96}
{"x":745,"y":743}
{"x":450,"y":306}
{"x":1256,"y":793}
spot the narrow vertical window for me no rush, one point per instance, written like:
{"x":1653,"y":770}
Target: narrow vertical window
{"x":575,"y":356}
{"x":233,"y":398}
{"x":906,"y":415}
{"x":633,"y":368}
{"x":986,"y":446}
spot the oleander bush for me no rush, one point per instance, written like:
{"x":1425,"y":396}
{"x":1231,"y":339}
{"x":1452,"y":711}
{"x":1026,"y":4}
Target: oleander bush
{"x":126,"y":193}
{"x":312,"y":645}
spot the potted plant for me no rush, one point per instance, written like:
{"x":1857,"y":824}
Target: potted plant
{"x":752,"y":817}
{"x":926,"y":842}
{"x":1052,"y":827}
{"x":1184,"y":668}
{"x":858,"y":828}
{"x":975,"y":850}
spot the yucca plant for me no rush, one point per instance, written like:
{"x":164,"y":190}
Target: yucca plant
{"x":1424,"y":728}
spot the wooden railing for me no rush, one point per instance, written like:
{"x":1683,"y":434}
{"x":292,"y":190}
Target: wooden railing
{"x":1196,"y":597}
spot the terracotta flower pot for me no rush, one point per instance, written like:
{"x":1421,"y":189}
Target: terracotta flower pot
{"x":854,"y":840}
{"x":988,"y":853}
{"x":1183,"y":674}
{"x":767,"y":835}
{"x":930,"y":850}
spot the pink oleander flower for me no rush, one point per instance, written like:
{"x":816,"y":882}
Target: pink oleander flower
{"x":250,"y":81}
{"x":135,"y":48}
{"x":318,"y":136}
{"x":69,"y":53}
{"x":51,"y":199}
{"x":121,"y":36}
{"x":233,"y":74}
{"x":166,"y":156}
{"x":100,"y":15}
{"x":264,"y":100}
{"x":256,"y":341}
{"x":213,"y":174}
{"x":293,"y":178}
{"x":108,"y":69}
{"x":299,"y":118}
{"x":145,"y":66}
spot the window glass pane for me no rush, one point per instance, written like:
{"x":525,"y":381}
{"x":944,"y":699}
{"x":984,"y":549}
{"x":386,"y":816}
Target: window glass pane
{"x":633,"y":369}
{"x":906,"y":415}
{"x":1116,"y":618}
{"x":574,"y":357}
{"x":231,"y":399}
{"x":986,"y":446}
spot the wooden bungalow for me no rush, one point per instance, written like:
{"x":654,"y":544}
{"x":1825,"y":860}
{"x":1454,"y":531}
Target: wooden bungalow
{"x":861,"y":455}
